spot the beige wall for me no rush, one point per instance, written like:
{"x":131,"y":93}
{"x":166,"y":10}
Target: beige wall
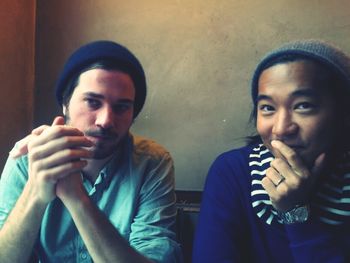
{"x":16,"y":71}
{"x":198,"y":56}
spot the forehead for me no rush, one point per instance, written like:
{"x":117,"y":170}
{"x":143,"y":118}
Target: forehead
{"x":105,"y":81}
{"x":290,"y":76}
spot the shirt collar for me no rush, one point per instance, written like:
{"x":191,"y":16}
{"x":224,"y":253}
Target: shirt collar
{"x":119,"y":158}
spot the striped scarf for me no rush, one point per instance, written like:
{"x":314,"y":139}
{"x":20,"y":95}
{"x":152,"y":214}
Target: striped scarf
{"x":331,"y":203}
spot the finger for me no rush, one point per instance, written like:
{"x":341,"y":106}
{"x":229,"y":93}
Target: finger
{"x":286,"y":171}
{"x":61,"y":171}
{"x":269,"y":186}
{"x":55,"y":132}
{"x":274,"y":176}
{"x":276,"y":194}
{"x":277,"y":153}
{"x":39,"y":130}
{"x":60,"y":144}
{"x":21,"y":148}
{"x":291,"y":157}
{"x":22,"y":145}
{"x":59,"y":120}
{"x":318,"y":164}
{"x":62,"y":157}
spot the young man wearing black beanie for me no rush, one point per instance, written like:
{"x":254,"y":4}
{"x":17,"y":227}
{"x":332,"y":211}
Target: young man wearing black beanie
{"x":85,"y":189}
{"x":285,"y":197}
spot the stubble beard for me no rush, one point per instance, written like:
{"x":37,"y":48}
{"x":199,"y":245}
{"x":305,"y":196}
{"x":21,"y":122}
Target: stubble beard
{"x":98,"y":151}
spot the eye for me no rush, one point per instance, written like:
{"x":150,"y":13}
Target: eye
{"x":305,"y":107}
{"x":266,"y":109}
{"x":92,"y":103}
{"x":122,"y":107}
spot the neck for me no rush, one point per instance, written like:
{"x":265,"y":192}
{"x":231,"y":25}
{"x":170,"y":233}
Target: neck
{"x":94,"y":166}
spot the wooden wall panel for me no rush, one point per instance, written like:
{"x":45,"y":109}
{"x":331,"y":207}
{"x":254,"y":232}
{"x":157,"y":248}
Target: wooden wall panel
{"x":17,"y":29}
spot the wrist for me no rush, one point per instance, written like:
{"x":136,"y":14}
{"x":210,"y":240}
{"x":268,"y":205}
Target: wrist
{"x":75,"y":202}
{"x":298,"y":214}
{"x":40,"y":195}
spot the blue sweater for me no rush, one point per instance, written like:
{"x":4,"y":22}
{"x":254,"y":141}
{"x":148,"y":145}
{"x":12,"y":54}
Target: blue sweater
{"x":230,"y":231}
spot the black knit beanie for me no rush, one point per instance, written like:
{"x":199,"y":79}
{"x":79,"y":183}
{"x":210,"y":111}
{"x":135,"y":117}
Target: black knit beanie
{"x":104,"y":50}
{"x":316,"y":50}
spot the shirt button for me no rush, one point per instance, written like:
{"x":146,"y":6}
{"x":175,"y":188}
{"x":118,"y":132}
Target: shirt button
{"x":83,"y":255}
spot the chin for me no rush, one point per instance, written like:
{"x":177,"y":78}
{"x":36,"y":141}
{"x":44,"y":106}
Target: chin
{"x":101,"y":153}
{"x":98,"y":155}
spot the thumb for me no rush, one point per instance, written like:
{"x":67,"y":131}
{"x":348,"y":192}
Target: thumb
{"x":59,"y":120}
{"x":22,"y":147}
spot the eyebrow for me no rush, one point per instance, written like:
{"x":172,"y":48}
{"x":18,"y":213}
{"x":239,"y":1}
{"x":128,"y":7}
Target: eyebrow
{"x":297,"y":93}
{"x":99,"y":96}
{"x":94,"y":95}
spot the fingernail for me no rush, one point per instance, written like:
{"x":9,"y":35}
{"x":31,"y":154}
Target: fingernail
{"x":273,"y":143}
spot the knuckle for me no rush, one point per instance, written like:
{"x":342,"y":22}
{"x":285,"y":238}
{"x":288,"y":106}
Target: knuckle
{"x":273,"y":162}
{"x":36,"y":166}
{"x":269,"y":171}
{"x":68,"y":140}
{"x":33,"y":154}
{"x":295,"y":183}
{"x":283,"y":192}
{"x":278,"y":161}
{"x":274,"y":198}
{"x":65,"y":139}
{"x":33,"y":168}
{"x":32,"y":141}
{"x":264,"y":181}
{"x":292,"y":155}
{"x":69,"y":152}
{"x":57,"y":129}
{"x":41,"y":175}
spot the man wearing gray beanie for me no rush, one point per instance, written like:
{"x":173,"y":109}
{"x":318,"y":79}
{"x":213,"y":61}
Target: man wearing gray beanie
{"x":285,"y":197}
{"x":85,"y":189}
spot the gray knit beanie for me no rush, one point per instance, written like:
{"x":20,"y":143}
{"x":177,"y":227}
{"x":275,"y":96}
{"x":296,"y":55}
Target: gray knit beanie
{"x":316,"y":50}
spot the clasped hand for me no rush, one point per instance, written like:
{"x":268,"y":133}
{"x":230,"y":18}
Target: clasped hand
{"x":288,"y":181}
{"x":56,"y":156}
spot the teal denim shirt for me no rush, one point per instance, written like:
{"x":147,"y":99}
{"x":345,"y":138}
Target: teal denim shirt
{"x":135,"y":190}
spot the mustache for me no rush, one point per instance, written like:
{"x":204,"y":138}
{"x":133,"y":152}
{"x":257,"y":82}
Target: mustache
{"x":107,"y":133}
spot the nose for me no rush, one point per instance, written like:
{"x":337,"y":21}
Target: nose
{"x":105,"y":117}
{"x":284,"y":126}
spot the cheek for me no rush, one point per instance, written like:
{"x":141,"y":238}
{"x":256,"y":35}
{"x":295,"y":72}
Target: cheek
{"x":82,"y":118}
{"x":124,"y":122}
{"x":321,"y":133}
{"x":263,"y":128}
{"x":128,"y":122}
